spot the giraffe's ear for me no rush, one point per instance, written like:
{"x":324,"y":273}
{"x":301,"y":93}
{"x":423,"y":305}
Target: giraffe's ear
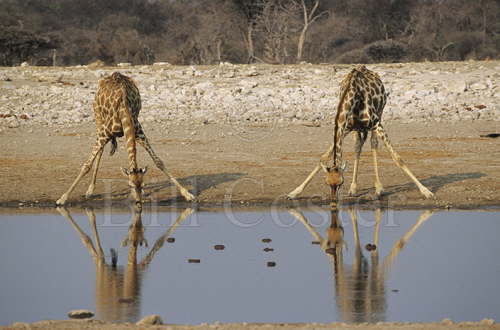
{"x":125,"y":171}
{"x":343,"y":167}
{"x":325,"y":169}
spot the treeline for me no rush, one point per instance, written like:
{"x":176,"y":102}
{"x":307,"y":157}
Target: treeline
{"x":70,"y":32}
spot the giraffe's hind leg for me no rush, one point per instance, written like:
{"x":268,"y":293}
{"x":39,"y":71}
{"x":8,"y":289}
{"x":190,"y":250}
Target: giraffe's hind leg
{"x":399,"y":162}
{"x":360,"y":140}
{"x":99,"y":145}
{"x":299,"y":189}
{"x":143,"y":141}
{"x":379,"y":189}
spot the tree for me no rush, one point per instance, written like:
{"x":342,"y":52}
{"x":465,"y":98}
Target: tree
{"x":17,"y":46}
{"x":309,"y":17}
{"x":251,"y":10}
{"x":277,"y":24}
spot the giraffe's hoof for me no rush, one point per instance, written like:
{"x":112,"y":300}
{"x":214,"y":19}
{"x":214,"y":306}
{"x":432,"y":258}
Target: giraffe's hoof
{"x":190,"y":197}
{"x":427,"y":193}
{"x":379,"y":194}
{"x":352,"y":193}
{"x":60,"y":202}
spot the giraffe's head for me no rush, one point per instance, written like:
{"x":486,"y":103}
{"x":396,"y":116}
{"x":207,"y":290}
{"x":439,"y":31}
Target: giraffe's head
{"x":334,"y":234}
{"x":334,"y":178}
{"x":135,"y":181}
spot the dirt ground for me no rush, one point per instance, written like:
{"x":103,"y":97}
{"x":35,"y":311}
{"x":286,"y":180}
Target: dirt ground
{"x":256,"y":165}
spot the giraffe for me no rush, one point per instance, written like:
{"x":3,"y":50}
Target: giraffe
{"x":118,"y":288}
{"x":360,"y":292}
{"x":116,"y":108}
{"x":362,"y":98}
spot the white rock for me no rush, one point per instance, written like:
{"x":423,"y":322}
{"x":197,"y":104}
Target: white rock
{"x":487,"y":322}
{"x":21,"y":325}
{"x":13,"y":122}
{"x":478,"y":86}
{"x":150,"y":320}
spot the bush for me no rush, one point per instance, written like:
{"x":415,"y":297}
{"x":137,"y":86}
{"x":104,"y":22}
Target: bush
{"x":387,"y":51}
{"x":17,"y":46}
{"x":384,"y":51}
{"x":355,"y":56}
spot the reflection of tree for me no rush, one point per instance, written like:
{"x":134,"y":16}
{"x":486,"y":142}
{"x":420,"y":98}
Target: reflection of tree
{"x":360,"y":288}
{"x":118,"y":289}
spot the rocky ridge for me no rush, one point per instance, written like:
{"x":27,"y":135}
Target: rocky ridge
{"x":255,"y":94}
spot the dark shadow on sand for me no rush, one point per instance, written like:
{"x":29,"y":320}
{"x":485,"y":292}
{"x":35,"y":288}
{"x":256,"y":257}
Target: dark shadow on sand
{"x":434,"y":183}
{"x":196,"y":184}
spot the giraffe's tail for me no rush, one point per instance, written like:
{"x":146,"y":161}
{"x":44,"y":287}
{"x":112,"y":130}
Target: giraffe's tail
{"x":114,"y":145}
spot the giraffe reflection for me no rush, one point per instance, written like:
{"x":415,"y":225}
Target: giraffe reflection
{"x":118,"y":288}
{"x":360,"y":292}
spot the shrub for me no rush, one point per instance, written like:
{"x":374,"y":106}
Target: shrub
{"x":387,"y":51}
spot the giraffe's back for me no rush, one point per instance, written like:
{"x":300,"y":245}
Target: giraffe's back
{"x":366,"y":92}
{"x":113,"y":93}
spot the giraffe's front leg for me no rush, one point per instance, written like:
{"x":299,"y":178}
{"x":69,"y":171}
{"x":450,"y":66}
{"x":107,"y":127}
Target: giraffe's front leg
{"x":142,"y":140}
{"x":360,"y":140}
{"x":90,"y":190}
{"x":399,"y":162}
{"x":84,"y":170}
{"x":301,"y":187}
{"x":379,"y":189}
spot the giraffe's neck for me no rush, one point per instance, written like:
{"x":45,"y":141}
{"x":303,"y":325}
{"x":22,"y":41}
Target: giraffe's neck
{"x":129,"y":132}
{"x":337,"y":145}
{"x":344,"y":108}
{"x":339,"y":130}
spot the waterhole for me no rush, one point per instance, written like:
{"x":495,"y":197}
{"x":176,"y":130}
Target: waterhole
{"x":366,"y":266}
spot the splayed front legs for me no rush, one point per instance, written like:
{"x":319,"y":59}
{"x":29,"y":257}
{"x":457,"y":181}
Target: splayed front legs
{"x":400,"y":163}
{"x":97,"y":162}
{"x":379,"y":189}
{"x":142,"y":140}
{"x":299,"y":189}
{"x":360,"y":140}
{"x":97,"y":150}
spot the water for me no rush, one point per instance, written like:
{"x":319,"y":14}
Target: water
{"x":426,"y":266}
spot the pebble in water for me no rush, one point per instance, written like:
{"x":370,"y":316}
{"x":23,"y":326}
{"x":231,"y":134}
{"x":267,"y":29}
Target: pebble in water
{"x":219,"y":247}
{"x":268,"y":249}
{"x":80,"y":314}
{"x":194,"y":261}
{"x":370,"y":247}
{"x":170,"y":239}
{"x":266,"y":240}
{"x":271,"y":264}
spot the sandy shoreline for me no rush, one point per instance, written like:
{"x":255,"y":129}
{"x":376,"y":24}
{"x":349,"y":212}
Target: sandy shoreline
{"x":212,"y":127}
{"x":92,"y":324}
{"x":222,"y":167}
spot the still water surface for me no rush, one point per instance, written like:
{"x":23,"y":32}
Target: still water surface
{"x":426,"y":266}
